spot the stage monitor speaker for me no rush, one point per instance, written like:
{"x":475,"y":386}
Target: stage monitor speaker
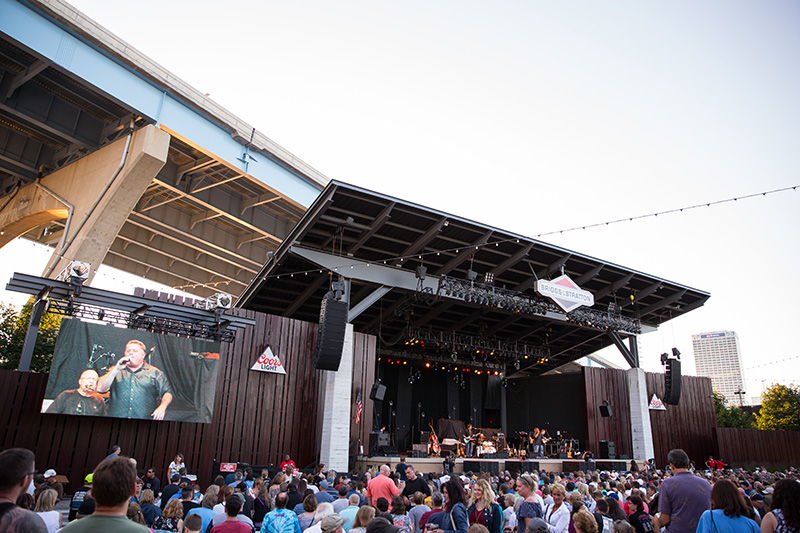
{"x":330,"y":338}
{"x":616,"y":466}
{"x":378,"y":392}
{"x":389,"y":451}
{"x":493,"y":467}
{"x":520,"y":467}
{"x":570,"y":466}
{"x":672,"y":382}
{"x":605,"y":410}
{"x":377,"y":441}
{"x":608,"y":449}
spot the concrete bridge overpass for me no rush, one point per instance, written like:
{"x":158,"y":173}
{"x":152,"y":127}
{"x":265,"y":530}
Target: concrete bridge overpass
{"x":110,"y":158}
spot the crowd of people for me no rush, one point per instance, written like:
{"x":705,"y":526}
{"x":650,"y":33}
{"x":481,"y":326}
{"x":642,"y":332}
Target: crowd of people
{"x":678,"y":499}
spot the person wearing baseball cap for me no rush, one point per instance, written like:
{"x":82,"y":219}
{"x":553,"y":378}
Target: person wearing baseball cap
{"x":50,"y":480}
{"x":79,"y":496}
{"x":381,"y":525}
{"x":332,"y":524}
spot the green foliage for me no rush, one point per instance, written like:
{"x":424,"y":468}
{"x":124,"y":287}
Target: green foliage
{"x":780,"y":408}
{"x":14,"y":326}
{"x":731,"y":416}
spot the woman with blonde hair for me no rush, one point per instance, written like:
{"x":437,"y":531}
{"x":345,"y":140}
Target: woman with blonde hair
{"x":531,"y":506}
{"x":482,"y":508}
{"x":584,"y":522}
{"x":557,"y":514}
{"x":172,"y":517}
{"x":363,"y":516}
{"x":46,"y":509}
{"x":148,"y":506}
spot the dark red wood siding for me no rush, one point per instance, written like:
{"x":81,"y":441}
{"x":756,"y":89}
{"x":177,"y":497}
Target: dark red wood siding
{"x":258,"y":416}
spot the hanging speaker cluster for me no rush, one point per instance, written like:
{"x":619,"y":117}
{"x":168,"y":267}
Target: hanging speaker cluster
{"x":672,"y":382}
{"x":330,"y":338}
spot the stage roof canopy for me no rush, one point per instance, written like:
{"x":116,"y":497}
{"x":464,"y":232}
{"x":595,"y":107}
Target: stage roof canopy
{"x":377,"y":244}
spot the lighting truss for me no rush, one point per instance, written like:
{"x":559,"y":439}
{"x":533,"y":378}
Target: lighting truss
{"x":495,"y":297}
{"x":605,"y":320}
{"x":439,"y":361}
{"x":167,"y":326}
{"x":475,"y":347}
{"x":517,"y":302}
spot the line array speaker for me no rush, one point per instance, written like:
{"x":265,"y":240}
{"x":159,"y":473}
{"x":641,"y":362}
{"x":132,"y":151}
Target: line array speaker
{"x":672,"y":382}
{"x":378,"y":392}
{"x":330,"y":338}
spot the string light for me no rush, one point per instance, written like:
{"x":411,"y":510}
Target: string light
{"x":555,"y":232}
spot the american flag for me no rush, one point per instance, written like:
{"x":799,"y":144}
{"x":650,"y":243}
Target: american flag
{"x":359,"y":407}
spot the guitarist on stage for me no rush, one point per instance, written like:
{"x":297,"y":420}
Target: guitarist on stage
{"x":469,"y":439}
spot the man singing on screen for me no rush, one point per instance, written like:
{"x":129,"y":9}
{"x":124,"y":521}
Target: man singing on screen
{"x":138,"y":390}
{"x":81,"y":401}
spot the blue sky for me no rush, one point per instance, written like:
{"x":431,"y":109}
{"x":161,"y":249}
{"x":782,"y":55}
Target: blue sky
{"x":538,"y":116}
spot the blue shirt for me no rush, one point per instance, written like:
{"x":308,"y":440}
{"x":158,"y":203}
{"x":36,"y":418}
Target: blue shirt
{"x":205,"y":513}
{"x":717,"y":520}
{"x":280,"y":521}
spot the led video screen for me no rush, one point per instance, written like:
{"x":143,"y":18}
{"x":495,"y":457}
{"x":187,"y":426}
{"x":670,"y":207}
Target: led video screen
{"x":103,"y":370}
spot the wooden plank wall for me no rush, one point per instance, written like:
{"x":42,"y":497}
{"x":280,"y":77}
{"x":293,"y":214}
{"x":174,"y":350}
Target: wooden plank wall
{"x":611,"y":385}
{"x":688,"y":425}
{"x":755,"y":447}
{"x":258,"y":416}
{"x":364,"y":356}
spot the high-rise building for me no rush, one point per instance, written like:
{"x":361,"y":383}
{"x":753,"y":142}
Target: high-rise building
{"x":718,"y":356}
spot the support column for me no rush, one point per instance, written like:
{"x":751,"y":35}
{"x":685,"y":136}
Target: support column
{"x":95,"y":194}
{"x":641,"y":430}
{"x":336,"y":392}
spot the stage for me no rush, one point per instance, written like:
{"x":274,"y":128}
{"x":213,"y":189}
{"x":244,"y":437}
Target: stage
{"x":462,"y":465}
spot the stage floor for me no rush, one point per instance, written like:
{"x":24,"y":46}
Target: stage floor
{"x":436,"y":464}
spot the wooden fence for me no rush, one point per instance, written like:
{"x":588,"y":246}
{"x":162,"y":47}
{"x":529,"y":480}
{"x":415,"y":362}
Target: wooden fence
{"x":754,"y":447}
{"x":258,"y":416}
{"x":688,"y":425}
{"x":611,"y":385}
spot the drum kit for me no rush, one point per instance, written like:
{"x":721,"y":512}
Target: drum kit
{"x":553,"y":448}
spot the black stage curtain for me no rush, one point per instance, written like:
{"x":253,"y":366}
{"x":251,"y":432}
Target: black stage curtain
{"x":190,"y":365}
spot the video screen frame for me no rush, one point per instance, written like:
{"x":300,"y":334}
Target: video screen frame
{"x":117,"y":372}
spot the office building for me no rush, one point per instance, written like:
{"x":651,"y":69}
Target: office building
{"x":718,"y":356}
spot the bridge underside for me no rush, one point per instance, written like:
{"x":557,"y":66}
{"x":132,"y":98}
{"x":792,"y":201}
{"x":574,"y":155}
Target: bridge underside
{"x":202,"y":224}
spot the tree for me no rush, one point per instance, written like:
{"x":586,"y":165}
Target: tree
{"x":14,"y":326}
{"x":780,"y":408}
{"x":731,"y":416}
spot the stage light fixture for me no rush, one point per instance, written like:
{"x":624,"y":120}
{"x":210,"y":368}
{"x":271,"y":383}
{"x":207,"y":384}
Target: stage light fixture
{"x":676,"y":353}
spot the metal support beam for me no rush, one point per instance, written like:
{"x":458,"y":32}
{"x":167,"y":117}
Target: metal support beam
{"x":33,"y":330}
{"x":513,"y":260}
{"x":379,"y":221}
{"x":613,"y":287}
{"x":638,"y":295}
{"x":26,"y":75}
{"x":367,"y":302}
{"x":631,"y":357}
{"x":352,"y":268}
{"x":633,"y":346}
{"x":464,"y":254}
